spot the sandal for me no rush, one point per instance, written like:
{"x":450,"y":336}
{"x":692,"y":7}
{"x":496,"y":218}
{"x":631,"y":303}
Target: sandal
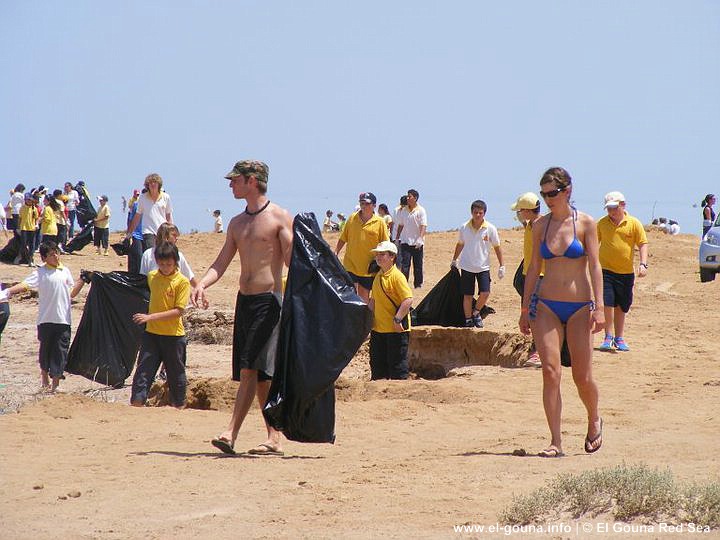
{"x":597,"y":440}
{"x":551,"y":452}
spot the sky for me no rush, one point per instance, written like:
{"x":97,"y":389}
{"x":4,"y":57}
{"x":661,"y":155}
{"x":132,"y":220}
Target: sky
{"x":461,"y":100}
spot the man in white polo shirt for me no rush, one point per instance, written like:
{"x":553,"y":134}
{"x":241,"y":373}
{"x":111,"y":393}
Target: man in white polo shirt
{"x":411,"y":232}
{"x":475,"y":237}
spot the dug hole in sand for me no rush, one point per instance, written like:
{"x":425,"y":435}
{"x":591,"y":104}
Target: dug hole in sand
{"x":434,"y":353}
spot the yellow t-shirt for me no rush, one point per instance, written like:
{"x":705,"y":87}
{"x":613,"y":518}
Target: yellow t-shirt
{"x":617,"y":243}
{"x":103,"y":218}
{"x":395,"y":287}
{"x":360,"y":238}
{"x":60,"y":213}
{"x":527,"y":251}
{"x":48,"y":224}
{"x":28,"y":217}
{"x":167,"y":292}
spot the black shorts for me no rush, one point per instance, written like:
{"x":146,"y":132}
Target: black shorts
{"x":618,"y":290}
{"x":54,"y":344}
{"x":364,"y":281}
{"x":468,"y":279}
{"x":257,"y":322}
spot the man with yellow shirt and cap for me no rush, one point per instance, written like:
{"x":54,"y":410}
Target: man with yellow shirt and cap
{"x":619,"y":233}
{"x":362,"y":232}
{"x":527,"y":207}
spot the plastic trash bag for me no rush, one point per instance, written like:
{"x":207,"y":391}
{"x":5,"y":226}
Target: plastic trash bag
{"x":107,"y":341}
{"x":443,"y":305}
{"x":322,"y":325}
{"x":82,"y":239}
{"x":9,"y":253}
{"x":84,"y":211}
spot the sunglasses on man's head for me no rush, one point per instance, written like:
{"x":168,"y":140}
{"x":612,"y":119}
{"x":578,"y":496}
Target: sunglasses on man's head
{"x":553,"y":193}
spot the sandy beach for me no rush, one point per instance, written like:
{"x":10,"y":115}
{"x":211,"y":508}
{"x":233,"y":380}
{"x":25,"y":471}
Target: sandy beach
{"x":412,"y":458}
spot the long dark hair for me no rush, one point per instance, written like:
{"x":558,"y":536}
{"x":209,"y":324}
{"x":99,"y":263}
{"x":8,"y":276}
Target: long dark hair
{"x":52,"y":203}
{"x":706,"y":200}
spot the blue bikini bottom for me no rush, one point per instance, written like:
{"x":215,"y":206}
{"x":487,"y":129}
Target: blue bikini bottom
{"x":562,"y":310}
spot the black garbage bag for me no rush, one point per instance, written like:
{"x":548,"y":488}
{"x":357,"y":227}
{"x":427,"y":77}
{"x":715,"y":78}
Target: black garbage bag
{"x":120,"y":248}
{"x":82,"y":239}
{"x":85,"y":211}
{"x":9,"y":253}
{"x":443,"y":305}
{"x":107,"y":341}
{"x":322,"y":325}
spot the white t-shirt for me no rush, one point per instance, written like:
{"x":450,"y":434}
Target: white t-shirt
{"x":154,"y":213}
{"x":475,"y":255}
{"x":148,"y":264}
{"x":17,"y":199}
{"x":411,"y":222}
{"x":53,"y":285}
{"x":398,"y":217}
{"x":72,"y":200}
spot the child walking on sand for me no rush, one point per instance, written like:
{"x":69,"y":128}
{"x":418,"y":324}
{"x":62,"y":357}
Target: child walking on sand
{"x":163,"y":341}
{"x":472,"y":255}
{"x":56,"y":287}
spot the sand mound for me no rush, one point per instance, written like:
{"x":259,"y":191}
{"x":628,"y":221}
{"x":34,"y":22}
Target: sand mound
{"x":215,"y":394}
{"x":209,"y":327}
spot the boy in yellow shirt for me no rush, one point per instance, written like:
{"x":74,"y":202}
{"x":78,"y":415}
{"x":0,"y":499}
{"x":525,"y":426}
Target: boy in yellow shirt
{"x":164,"y":340}
{"x":101,"y":225}
{"x":28,"y":218}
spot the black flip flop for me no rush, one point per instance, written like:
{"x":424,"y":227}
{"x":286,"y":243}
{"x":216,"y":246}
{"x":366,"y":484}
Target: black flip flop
{"x":222,"y":444}
{"x":590,"y":444}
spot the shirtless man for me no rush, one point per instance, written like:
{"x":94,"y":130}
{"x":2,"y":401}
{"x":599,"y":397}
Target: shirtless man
{"x":262,"y":236}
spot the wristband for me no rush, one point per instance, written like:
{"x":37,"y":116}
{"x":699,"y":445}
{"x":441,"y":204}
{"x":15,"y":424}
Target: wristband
{"x":397,"y":321}
{"x":645,"y":265}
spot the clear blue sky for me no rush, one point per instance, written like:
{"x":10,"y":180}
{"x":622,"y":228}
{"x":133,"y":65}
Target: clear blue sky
{"x":460,"y":100}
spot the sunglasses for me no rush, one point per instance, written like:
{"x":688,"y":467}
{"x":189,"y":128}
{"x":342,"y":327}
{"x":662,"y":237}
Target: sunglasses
{"x":552,"y":194}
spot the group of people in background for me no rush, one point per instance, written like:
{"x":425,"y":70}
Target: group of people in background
{"x":40,"y":214}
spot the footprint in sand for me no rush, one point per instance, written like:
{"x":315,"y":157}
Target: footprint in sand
{"x":665,"y":287}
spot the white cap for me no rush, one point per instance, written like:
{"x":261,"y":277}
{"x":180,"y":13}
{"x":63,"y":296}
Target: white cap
{"x":386,"y":246}
{"x":613,"y":199}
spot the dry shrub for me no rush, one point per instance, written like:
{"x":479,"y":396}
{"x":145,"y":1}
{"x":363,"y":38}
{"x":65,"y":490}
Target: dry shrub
{"x":625,"y":492}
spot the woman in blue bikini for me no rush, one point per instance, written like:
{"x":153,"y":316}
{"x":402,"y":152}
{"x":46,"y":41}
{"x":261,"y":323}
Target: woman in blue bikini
{"x":562,"y":303}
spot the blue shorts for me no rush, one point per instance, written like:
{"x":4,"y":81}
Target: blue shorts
{"x":468,"y":279}
{"x":618,"y":290}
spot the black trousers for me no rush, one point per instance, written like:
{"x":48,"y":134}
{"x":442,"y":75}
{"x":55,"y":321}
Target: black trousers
{"x":388,"y":355}
{"x":54,"y":344}
{"x":412,"y":254}
{"x":101,"y":236}
{"x":155,"y":350}
{"x":134,"y":255}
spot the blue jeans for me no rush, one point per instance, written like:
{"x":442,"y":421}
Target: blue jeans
{"x":27,"y":246}
{"x":412,"y":254}
{"x":71,"y":223}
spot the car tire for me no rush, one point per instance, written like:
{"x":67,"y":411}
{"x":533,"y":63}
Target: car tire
{"x":707,"y":274}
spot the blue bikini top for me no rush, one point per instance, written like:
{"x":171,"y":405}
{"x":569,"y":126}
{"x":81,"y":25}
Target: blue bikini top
{"x":574,"y":251}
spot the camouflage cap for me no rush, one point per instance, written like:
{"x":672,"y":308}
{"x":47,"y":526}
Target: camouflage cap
{"x":247,"y":167}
